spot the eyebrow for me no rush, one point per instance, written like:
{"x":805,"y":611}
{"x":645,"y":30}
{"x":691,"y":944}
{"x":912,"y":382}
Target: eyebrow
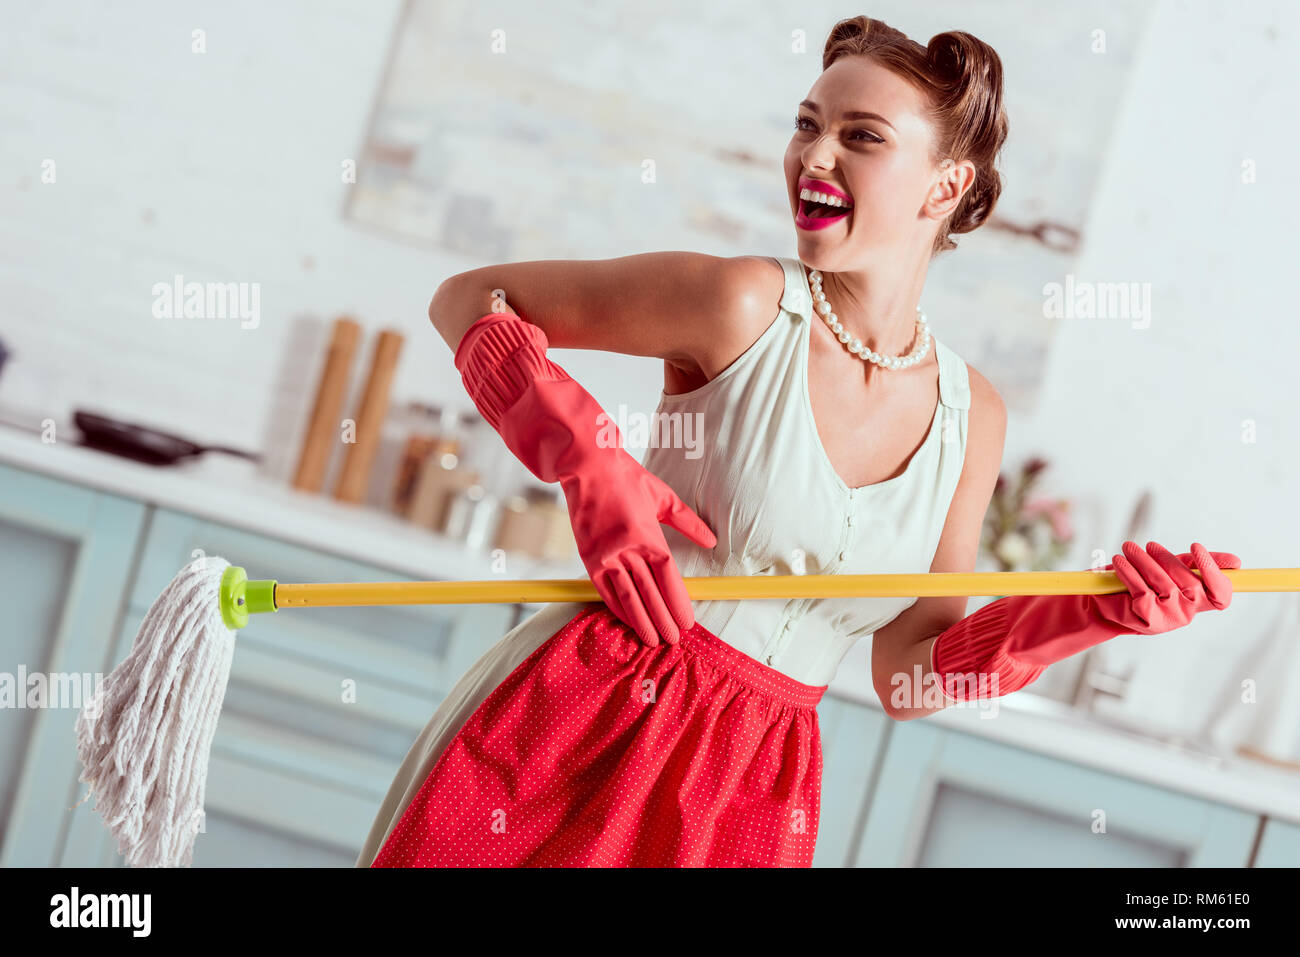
{"x":853,"y":114}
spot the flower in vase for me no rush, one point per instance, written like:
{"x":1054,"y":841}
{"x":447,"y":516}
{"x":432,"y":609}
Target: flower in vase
{"x":1013,"y":549}
{"x":1056,"y":511}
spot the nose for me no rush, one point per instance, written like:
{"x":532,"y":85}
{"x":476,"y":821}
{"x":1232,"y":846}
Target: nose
{"x":818,"y":155}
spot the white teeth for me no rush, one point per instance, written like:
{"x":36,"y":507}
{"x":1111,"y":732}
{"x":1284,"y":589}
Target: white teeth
{"x":826,"y":199}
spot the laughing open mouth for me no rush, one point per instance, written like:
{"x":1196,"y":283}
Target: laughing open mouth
{"x":822,"y":204}
{"x":815,"y":210}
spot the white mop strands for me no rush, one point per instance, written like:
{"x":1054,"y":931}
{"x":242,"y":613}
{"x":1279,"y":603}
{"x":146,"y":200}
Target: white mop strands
{"x":144,"y":737}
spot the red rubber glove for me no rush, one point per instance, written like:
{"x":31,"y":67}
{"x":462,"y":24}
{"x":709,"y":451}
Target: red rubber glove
{"x":554,"y":426}
{"x":1013,"y":639}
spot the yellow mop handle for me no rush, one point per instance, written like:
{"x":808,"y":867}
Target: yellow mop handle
{"x":923,"y":585}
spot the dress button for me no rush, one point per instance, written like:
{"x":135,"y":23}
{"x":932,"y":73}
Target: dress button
{"x":844,"y":556}
{"x":849,"y":520}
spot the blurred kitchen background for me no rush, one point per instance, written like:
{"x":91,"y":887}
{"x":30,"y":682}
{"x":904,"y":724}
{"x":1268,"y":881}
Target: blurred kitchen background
{"x":328,"y":164}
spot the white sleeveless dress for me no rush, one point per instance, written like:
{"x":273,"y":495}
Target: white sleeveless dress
{"x":766,"y":487}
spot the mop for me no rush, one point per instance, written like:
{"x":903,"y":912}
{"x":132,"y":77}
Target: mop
{"x":145,"y":735}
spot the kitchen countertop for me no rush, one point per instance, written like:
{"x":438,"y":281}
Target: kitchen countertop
{"x":1036,"y":723}
{"x":232,"y":491}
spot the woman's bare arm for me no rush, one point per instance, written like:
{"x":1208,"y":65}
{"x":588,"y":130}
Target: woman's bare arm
{"x":689,"y":309}
{"x":900,"y":651}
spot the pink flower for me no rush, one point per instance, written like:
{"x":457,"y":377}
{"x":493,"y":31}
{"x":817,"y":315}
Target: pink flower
{"x":1057,"y":512}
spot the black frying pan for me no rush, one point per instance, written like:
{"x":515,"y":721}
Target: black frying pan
{"x":140,"y":443}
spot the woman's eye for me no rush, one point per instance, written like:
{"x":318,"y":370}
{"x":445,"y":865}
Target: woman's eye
{"x":866,"y":135}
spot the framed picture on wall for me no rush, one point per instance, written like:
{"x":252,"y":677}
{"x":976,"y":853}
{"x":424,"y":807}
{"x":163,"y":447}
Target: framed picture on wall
{"x":517,"y":131}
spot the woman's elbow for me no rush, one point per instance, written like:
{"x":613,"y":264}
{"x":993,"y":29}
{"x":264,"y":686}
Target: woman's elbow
{"x":900,"y":700}
{"x":433,"y":309}
{"x":887,"y":695}
{"x":448,"y":311}
{"x":438,"y":304}
{"x":456,"y":306}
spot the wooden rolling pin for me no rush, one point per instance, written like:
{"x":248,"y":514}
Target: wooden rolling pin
{"x":322,"y":430}
{"x":352,"y":481}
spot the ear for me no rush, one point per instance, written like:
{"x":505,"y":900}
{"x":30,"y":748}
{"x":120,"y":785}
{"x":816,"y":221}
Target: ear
{"x":950,"y":184}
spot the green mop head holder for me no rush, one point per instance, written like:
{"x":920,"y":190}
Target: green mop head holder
{"x":241,"y":597}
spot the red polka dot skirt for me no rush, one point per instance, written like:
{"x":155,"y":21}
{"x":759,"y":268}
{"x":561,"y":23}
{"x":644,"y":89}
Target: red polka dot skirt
{"x":598,"y":750}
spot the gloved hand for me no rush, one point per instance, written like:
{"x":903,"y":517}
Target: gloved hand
{"x":1163,"y":594}
{"x":556,"y":429}
{"x":1010,"y":641}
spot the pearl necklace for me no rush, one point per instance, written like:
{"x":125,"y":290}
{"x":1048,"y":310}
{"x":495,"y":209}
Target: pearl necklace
{"x":854,"y":344}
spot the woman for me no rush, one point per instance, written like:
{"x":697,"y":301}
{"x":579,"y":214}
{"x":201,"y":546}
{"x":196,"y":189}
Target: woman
{"x":650,"y":730}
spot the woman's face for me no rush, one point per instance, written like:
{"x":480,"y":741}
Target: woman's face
{"x":883,"y":164}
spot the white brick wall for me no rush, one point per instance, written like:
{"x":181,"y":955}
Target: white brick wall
{"x":223,"y":167}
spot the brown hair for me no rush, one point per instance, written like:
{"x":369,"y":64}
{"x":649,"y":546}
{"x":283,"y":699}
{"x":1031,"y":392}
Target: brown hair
{"x":961,"y":76}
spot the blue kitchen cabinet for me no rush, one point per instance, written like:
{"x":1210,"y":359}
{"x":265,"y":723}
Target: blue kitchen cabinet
{"x":853,"y":739}
{"x":1279,"y":845}
{"x":948,"y":799}
{"x":322,"y":705}
{"x":66,"y":556}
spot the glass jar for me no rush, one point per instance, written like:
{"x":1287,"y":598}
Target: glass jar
{"x":472,"y":517}
{"x":433,"y":433}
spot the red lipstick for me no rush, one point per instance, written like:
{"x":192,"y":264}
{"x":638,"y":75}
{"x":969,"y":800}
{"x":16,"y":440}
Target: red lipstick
{"x":804,"y":219}
{"x":821,"y":186}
